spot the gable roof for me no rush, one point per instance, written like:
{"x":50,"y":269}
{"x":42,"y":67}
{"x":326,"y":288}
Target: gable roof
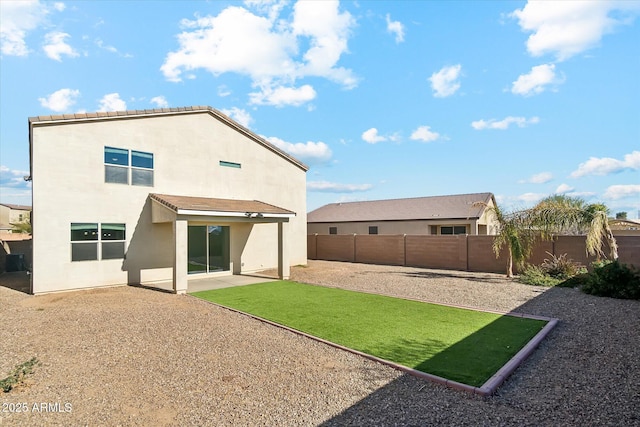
{"x":16,"y":207}
{"x":459,"y":206}
{"x":159,"y":112}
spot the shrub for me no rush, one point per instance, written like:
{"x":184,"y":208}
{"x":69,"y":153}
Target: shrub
{"x":18,"y":374}
{"x":552,"y":272}
{"x":559,"y":267}
{"x":575,"y":281}
{"x":615,"y":280}
{"x":535,"y":275}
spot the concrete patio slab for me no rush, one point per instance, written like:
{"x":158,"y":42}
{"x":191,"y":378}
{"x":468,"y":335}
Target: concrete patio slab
{"x":218,"y":282}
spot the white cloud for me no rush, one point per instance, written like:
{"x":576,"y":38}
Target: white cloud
{"x":55,"y":46}
{"x":13,"y":178}
{"x":312,"y":153}
{"x":371,"y":136}
{"x":268,"y":49}
{"x":101,"y":44}
{"x":540,"y":178}
{"x":328,"y":31}
{"x":564,"y":188}
{"x":531,"y":197}
{"x":160,"y":101}
{"x":60,"y":100}
{"x":239,"y":115}
{"x":607,"y":165}
{"x":106,"y":47}
{"x":567,"y":28}
{"x":424,"y":134}
{"x":281,"y":96}
{"x":234,"y":41}
{"x":333,"y":187}
{"x":223,"y":91}
{"x":396,"y":28}
{"x":17,"y":19}
{"x":445,"y":82}
{"x":112,"y":102}
{"x":538,"y":79}
{"x":504,"y":123}
{"x":622,"y":191}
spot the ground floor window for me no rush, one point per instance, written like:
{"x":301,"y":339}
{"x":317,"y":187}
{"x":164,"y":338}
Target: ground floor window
{"x":94,"y":241}
{"x":457,"y":229}
{"x":208,"y":248}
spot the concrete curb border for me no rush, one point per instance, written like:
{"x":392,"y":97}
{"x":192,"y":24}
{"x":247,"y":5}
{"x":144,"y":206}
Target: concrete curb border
{"x":487,"y":389}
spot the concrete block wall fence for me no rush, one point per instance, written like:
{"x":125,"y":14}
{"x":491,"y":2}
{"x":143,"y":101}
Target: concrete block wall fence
{"x":460,"y":252}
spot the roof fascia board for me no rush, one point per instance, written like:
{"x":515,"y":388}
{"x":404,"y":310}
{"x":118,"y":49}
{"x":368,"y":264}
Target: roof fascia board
{"x":435,"y":218}
{"x":249,"y":215}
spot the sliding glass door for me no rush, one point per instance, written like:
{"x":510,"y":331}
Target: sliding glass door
{"x":208,"y":248}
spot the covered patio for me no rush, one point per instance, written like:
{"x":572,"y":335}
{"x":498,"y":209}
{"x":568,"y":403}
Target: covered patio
{"x":229,"y":222}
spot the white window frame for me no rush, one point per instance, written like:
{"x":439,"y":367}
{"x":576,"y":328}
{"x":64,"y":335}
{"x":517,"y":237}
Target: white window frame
{"x":99,"y":241}
{"x":130,"y":168}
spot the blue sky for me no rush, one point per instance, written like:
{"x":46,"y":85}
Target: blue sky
{"x":383,"y":99}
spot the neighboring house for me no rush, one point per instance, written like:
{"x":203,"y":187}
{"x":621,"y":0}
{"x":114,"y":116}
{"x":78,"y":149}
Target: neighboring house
{"x":625,"y":227}
{"x":456,"y":214}
{"x":162,"y":195}
{"x":12,"y":215}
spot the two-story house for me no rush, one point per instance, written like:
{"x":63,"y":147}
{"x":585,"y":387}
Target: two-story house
{"x":160,"y":196}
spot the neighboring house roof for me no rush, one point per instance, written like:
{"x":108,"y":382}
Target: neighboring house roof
{"x":159,"y":112}
{"x":420,"y":208}
{"x":624,"y":224}
{"x":17,"y":207}
{"x":206,"y":204}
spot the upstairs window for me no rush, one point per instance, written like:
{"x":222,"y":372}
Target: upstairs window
{"x":333,"y":230}
{"x":116,"y":165}
{"x":230,"y":164}
{"x":141,"y":168}
{"x":122,"y":166}
{"x":373,"y":230}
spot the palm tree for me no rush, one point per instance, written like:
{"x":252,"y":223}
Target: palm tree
{"x":564,"y":214}
{"x":514,"y":233}
{"x":518,"y":230}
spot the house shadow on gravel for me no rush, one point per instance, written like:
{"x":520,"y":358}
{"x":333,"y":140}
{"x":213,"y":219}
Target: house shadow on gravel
{"x":17,"y":280}
{"x":413,"y":401}
{"x":435,"y":275}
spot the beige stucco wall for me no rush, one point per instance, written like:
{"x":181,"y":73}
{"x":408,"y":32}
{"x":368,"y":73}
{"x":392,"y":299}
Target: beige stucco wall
{"x":68,"y":186}
{"x":389,"y":227}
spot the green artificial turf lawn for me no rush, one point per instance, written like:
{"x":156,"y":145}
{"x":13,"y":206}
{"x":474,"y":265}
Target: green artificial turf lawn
{"x":461,"y":345}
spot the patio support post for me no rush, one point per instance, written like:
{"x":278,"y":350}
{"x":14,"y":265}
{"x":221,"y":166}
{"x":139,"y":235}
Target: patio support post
{"x":283,"y":252}
{"x":180,"y":231}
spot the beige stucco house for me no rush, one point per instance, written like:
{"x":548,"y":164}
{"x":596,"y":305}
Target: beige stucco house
{"x":159,"y":197}
{"x":12,"y":215}
{"x":455,"y":214}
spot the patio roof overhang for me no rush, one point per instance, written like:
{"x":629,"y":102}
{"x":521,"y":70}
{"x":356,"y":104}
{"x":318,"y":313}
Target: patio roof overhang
{"x":167,"y":208}
{"x":181,"y":211}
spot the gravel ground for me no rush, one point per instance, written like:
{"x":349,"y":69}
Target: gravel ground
{"x":133,"y":356}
